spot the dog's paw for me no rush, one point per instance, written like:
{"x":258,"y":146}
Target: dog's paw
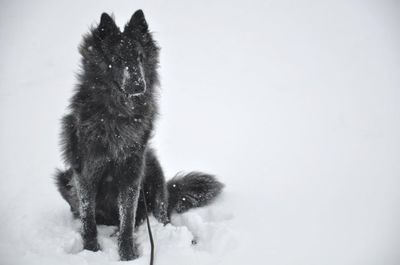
{"x":128,"y":250}
{"x":128,"y":254}
{"x":164,"y":219}
{"x":161,"y":214}
{"x":91,"y":245}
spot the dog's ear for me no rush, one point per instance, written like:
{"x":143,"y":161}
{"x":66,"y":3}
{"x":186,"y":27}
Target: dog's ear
{"x":107,"y":26}
{"x":137,"y":24}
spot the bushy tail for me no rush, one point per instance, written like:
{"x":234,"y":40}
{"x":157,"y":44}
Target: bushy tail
{"x":192,"y":190}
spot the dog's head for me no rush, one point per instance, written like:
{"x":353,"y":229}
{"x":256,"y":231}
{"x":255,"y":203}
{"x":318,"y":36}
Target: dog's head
{"x":126,"y":60}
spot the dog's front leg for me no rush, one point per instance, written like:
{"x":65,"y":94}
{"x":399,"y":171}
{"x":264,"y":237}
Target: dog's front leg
{"x":86,"y":184}
{"x":129,"y":178}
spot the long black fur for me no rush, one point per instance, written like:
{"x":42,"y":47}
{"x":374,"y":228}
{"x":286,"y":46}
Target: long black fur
{"x":105,"y":139}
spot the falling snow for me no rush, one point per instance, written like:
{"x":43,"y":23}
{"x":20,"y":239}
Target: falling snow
{"x":293,"y":105}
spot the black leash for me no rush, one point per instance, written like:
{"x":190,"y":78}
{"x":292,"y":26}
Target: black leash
{"x":149,"y":229}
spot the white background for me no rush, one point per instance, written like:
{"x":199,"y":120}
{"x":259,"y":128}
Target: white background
{"x":293,"y":104}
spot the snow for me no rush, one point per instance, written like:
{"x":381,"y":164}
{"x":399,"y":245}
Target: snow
{"x":293,"y":105}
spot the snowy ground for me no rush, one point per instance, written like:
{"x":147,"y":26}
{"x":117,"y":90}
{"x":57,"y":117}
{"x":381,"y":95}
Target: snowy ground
{"x":295,"y":106}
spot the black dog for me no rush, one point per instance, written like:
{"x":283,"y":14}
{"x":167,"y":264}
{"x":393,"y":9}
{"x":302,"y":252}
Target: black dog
{"x":105,"y":139}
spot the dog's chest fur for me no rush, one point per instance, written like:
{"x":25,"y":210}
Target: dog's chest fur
{"x":116,"y":128}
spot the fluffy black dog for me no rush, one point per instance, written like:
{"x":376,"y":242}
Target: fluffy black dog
{"x":105,"y":139}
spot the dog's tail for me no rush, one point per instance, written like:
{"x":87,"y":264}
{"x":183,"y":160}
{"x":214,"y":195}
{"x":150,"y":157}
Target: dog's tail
{"x":192,"y":190}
